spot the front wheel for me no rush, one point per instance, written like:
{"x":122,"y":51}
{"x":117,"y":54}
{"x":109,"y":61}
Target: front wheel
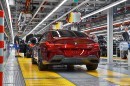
{"x":92,"y":66}
{"x":33,"y":61}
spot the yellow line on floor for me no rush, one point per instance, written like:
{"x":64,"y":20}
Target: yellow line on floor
{"x":34,"y":77}
{"x":115,"y":77}
{"x":115,"y":58}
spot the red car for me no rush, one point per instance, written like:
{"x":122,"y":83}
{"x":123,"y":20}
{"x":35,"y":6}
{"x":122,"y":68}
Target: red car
{"x":66,"y":47}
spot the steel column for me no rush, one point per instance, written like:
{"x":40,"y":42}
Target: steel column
{"x":110,"y":36}
{"x":1,"y":45}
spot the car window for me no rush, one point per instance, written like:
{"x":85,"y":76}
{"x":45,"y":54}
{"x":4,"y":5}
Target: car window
{"x":65,"y":33}
{"x":80,"y":34}
{"x":54,"y":34}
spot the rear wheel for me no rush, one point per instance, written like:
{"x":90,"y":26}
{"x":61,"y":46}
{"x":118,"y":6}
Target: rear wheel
{"x":70,"y":67}
{"x":92,"y":66}
{"x":33,"y":61}
{"x":41,"y":66}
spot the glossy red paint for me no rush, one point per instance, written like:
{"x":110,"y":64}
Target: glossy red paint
{"x":69,"y":47}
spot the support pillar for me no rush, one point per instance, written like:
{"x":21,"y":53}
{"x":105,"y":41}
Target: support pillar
{"x":128,"y":57}
{"x":110,"y":36}
{"x":1,"y":45}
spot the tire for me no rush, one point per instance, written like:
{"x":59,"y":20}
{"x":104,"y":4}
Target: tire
{"x":33,"y":61}
{"x":41,"y":66}
{"x":70,"y":67}
{"x":28,"y":55}
{"x":92,"y":66}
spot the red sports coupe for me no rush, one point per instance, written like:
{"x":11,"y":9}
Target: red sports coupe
{"x":66,"y":47}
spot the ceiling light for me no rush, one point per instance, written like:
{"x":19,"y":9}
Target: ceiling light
{"x":47,"y":16}
{"x":100,"y":10}
{"x":100,"y":31}
{"x":86,"y":1}
{"x":104,"y":8}
{"x":67,"y":24}
{"x":106,"y":25}
{"x":8,"y":8}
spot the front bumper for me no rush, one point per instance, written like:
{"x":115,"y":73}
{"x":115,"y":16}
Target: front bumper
{"x":60,"y":59}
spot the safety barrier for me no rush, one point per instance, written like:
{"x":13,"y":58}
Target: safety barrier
{"x":1,"y":45}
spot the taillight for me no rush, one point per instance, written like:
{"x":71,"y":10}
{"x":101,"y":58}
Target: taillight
{"x":96,"y":45}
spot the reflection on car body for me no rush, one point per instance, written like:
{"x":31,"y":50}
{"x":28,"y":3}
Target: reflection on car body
{"x":65,"y":47}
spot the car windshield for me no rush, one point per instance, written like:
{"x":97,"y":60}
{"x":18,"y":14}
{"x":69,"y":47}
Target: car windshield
{"x":65,"y":33}
{"x":80,"y":34}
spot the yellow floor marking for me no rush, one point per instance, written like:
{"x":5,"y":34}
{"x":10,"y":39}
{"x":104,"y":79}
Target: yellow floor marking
{"x":116,"y":58}
{"x":115,"y":77}
{"x":120,"y":81}
{"x":34,"y":77}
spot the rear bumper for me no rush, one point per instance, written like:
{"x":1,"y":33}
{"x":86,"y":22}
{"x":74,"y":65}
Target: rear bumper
{"x":60,"y":59}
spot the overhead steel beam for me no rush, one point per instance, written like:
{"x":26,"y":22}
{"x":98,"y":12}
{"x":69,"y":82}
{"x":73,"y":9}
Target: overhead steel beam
{"x":100,"y":10}
{"x":97,"y":2}
{"x":35,"y":14}
{"x":52,"y":0}
{"x":41,"y":13}
{"x":6,"y":8}
{"x":65,"y":14}
{"x":53,"y":11}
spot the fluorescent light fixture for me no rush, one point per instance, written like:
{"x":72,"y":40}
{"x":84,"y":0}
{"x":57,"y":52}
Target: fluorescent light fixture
{"x":6,"y":34}
{"x":66,"y":24}
{"x":47,"y":16}
{"x":35,"y":14}
{"x":86,"y":1}
{"x":101,"y":34}
{"x":43,"y":24}
{"x":121,"y":22}
{"x":8,"y":8}
{"x":96,"y":28}
{"x":102,"y":9}
{"x":106,"y":25}
{"x":113,"y":33}
{"x":98,"y":31}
